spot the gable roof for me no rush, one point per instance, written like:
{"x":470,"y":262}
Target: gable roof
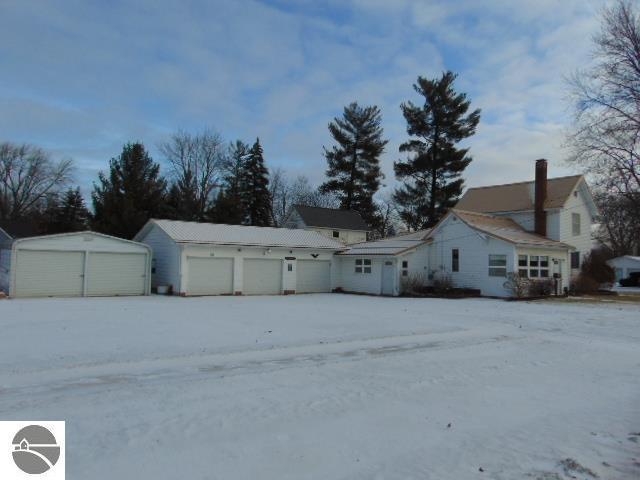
{"x":19,"y":228}
{"x":241,"y":235}
{"x":389,"y":246}
{"x":331,"y":218}
{"x":503,"y":228}
{"x":513,"y":197}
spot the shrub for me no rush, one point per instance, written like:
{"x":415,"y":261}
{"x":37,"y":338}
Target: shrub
{"x":594,"y":266}
{"x":582,"y":284}
{"x":517,"y":285}
{"x":632,"y":281}
{"x":442,"y":283}
{"x":412,"y":284}
{"x":542,"y":287}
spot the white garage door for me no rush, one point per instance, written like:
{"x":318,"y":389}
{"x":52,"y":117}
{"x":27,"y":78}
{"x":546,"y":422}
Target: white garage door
{"x":111,"y":273}
{"x":47,"y":273}
{"x":209,"y":276}
{"x":262,"y":277}
{"x":313,"y":276}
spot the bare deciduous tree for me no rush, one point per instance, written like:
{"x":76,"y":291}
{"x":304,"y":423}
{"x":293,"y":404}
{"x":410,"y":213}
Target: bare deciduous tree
{"x":27,"y":176}
{"x":606,"y":139}
{"x":196,"y":163}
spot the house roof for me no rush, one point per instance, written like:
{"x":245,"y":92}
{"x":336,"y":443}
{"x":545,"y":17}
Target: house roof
{"x":513,"y":197}
{"x":331,"y":218}
{"x":505,"y":229}
{"x":220,"y":234}
{"x":389,"y":246}
{"x":19,"y":228}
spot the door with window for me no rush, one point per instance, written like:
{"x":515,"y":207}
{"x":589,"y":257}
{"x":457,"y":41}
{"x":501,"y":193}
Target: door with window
{"x":388,"y":277}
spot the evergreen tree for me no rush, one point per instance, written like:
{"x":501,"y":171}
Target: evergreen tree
{"x":131,"y":194}
{"x":256,"y":188}
{"x":231,"y":204}
{"x":432,"y":171}
{"x":354,"y":164}
{"x":66,"y":214}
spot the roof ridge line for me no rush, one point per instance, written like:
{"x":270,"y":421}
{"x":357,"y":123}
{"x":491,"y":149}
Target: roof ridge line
{"x":522,"y":182}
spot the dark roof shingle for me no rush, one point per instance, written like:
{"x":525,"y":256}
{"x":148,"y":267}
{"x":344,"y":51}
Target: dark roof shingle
{"x":331,"y":218}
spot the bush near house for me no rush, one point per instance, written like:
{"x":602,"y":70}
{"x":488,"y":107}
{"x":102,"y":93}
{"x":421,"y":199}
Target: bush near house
{"x":517,"y":285}
{"x":594,"y":273}
{"x":542,"y":287}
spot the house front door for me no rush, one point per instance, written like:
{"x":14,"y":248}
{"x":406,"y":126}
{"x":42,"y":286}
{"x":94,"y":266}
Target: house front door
{"x":388,"y":274}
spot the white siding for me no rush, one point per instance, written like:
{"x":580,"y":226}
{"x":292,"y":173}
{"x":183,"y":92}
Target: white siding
{"x":239,"y":254}
{"x":527,"y":221}
{"x":5,"y":241}
{"x":5,"y":270}
{"x":561,"y":257}
{"x":166,"y":259}
{"x":583,"y":242}
{"x":474,"y":257}
{"x":345,"y":236}
{"x":361,"y":282}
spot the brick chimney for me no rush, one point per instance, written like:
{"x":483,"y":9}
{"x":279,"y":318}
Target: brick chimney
{"x":540,"y":197}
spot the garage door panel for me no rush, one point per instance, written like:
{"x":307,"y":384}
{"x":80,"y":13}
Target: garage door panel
{"x":49,"y":273}
{"x":209,"y":276}
{"x":262,"y":276}
{"x":313,"y":276}
{"x":111,"y":273}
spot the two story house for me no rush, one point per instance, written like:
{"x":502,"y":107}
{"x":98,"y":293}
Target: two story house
{"x":346,"y":226}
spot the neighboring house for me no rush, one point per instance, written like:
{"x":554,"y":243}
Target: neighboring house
{"x":211,"y":259}
{"x":378,"y":267}
{"x":560,"y":209}
{"x":624,"y":265}
{"x":11,"y":230}
{"x":346,"y":226}
{"x":78,"y":264}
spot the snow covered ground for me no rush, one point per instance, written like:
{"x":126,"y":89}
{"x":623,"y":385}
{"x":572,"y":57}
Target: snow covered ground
{"x":328,"y":386}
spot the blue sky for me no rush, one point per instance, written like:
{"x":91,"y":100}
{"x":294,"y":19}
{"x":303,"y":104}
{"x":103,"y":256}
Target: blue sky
{"x":81,"y":77}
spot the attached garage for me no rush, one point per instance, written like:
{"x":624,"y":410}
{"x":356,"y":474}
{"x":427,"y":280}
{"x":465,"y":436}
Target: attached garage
{"x":313,"y":276}
{"x":209,"y":276}
{"x":79,"y":264}
{"x":262,"y":276}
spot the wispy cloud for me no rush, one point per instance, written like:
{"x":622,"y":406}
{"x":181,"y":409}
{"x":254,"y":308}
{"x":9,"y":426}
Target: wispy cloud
{"x":81,"y":78}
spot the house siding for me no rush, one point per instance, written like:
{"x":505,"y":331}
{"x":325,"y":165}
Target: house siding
{"x":166,"y":258}
{"x":346,"y":236}
{"x":583,"y":243}
{"x":5,"y":270}
{"x":474,"y":257}
{"x":561,"y":267}
{"x":361,"y":282}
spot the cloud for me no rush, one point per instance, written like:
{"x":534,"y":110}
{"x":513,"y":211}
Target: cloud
{"x":81,"y":78}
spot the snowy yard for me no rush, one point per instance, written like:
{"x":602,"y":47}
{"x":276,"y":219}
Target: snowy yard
{"x":328,"y":386}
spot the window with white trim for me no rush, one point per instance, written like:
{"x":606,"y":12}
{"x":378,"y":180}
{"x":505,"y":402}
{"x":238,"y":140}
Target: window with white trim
{"x":336,"y":234}
{"x":405,"y":268}
{"x":575,"y":224}
{"x":497,"y":265}
{"x":363,"y":265}
{"x":455,"y":260}
{"x":533,"y":266}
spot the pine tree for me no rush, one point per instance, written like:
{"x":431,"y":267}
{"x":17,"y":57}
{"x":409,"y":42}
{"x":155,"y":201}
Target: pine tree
{"x":432,"y":171}
{"x":68,"y":214}
{"x":256,"y":188}
{"x":231,"y":205}
{"x":131,"y":194}
{"x":354,"y":164}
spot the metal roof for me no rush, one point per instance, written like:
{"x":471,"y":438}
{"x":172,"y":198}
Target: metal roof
{"x":331,"y":218}
{"x":389,"y":246}
{"x":220,"y":234}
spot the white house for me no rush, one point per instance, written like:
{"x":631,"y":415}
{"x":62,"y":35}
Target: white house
{"x":378,"y":267}
{"x":212,"y":259}
{"x":10,"y":231}
{"x":346,"y":226}
{"x":624,"y":265}
{"x":78,"y":264}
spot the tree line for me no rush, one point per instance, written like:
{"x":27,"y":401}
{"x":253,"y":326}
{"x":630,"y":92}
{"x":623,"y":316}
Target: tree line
{"x":208,"y":180}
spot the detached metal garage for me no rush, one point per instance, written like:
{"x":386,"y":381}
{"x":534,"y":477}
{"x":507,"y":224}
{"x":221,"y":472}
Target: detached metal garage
{"x":79,"y":264}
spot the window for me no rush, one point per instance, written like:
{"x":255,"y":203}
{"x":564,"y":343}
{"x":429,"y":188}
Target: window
{"x":575,"y":260}
{"x":533,"y":266}
{"x":575,"y":224}
{"x":336,"y":234}
{"x":363,"y":265}
{"x":405,"y":268}
{"x":497,"y":265}
{"x":289,"y":267}
{"x":455,"y":260}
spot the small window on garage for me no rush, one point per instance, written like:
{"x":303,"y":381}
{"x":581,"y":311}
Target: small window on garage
{"x":455,"y":260}
{"x":336,"y":234}
{"x":497,"y":265}
{"x":290,"y":267}
{"x":363,"y":265}
{"x":405,"y":268}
